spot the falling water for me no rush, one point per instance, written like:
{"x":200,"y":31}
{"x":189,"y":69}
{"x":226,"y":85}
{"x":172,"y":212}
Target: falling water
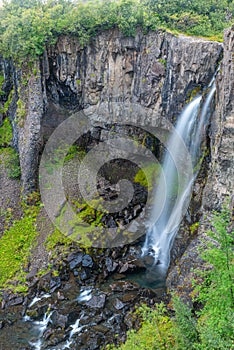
{"x":41,"y":325}
{"x":36,"y":299}
{"x":190,"y":130}
{"x":85,"y":295}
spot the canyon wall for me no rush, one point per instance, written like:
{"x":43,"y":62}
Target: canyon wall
{"x":219,"y":184}
{"x":158,"y":72}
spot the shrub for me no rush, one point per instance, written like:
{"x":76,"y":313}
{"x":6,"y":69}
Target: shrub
{"x":26,"y":27}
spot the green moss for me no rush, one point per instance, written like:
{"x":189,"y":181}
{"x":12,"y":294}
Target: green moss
{"x":1,"y":85}
{"x":75,"y":151}
{"x":87,"y":213}
{"x":11,"y":161}
{"x":85,"y":227}
{"x":15,"y":247}
{"x":192,"y":93}
{"x":8,"y":102}
{"x":5,"y":133}
{"x":57,"y":239}
{"x":194,"y":227}
{"x":210,"y":327}
{"x":35,"y":72}
{"x":21,"y":112}
{"x":163,"y":61}
{"x":148,"y":176}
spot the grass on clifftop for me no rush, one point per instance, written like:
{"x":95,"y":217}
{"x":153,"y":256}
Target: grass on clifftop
{"x":26,"y":27}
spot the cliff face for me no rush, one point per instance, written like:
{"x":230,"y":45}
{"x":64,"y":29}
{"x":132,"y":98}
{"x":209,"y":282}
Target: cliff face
{"x":158,"y":71}
{"x":220,"y":182}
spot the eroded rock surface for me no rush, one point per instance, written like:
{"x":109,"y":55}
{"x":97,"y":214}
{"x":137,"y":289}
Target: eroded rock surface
{"x":220,"y":182}
{"x":157,"y":71}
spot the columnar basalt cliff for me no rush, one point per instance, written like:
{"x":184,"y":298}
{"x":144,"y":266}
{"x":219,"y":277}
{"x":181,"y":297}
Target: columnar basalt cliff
{"x":220,"y":181}
{"x":158,"y":71}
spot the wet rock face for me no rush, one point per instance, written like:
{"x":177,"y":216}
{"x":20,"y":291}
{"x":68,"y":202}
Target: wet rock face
{"x":157,"y":71}
{"x":219,"y":184}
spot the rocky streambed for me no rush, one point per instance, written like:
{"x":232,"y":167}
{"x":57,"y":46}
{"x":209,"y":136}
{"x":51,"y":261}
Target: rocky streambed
{"x":87,"y":305}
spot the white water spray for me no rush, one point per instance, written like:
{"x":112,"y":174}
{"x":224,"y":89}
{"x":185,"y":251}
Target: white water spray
{"x":41,"y":325}
{"x":36,"y":299}
{"x":85,"y":295}
{"x":190,"y":129}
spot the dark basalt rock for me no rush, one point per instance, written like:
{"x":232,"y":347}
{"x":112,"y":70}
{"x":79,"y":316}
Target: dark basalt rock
{"x":58,"y":320}
{"x":118,"y":304}
{"x":16,"y":301}
{"x":87,"y":261}
{"x":55,"y":283}
{"x":111,"y":265}
{"x":97,"y":301}
{"x":76,"y":260}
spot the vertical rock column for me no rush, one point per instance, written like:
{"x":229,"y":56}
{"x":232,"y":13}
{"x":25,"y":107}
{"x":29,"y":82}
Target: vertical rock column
{"x":29,"y":115}
{"x":220,"y":182}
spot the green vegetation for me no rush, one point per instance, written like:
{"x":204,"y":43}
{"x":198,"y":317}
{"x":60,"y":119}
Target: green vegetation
{"x":15,"y":246}
{"x":212,"y":326}
{"x":5,"y":133}
{"x":7,"y":103}
{"x":1,"y":84}
{"x":11,"y":162}
{"x":89,"y":214}
{"x":8,"y":154}
{"x":75,"y":151}
{"x":21,"y":112}
{"x":156,"y":331}
{"x":27,"y":26}
{"x":148,"y":175}
{"x":57,"y":239}
{"x":216,"y":320}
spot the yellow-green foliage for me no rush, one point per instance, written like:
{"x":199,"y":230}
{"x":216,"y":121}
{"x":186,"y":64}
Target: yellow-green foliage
{"x":57,"y":239}
{"x":89,"y":214}
{"x":8,"y":154}
{"x":11,"y":162}
{"x":86,"y":226}
{"x":8,"y":102}
{"x":1,"y":84}
{"x":156,"y":331}
{"x":148,"y":175}
{"x":75,"y":151}
{"x":15,"y":246}
{"x":5,"y":133}
{"x":26,"y":26}
{"x":21,"y":112}
{"x":194,"y":227}
{"x":194,"y":93}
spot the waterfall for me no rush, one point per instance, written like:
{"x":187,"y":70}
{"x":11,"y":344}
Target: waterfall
{"x":190,"y":129}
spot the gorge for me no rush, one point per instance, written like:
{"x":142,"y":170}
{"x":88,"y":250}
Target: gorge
{"x":126,"y":86}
